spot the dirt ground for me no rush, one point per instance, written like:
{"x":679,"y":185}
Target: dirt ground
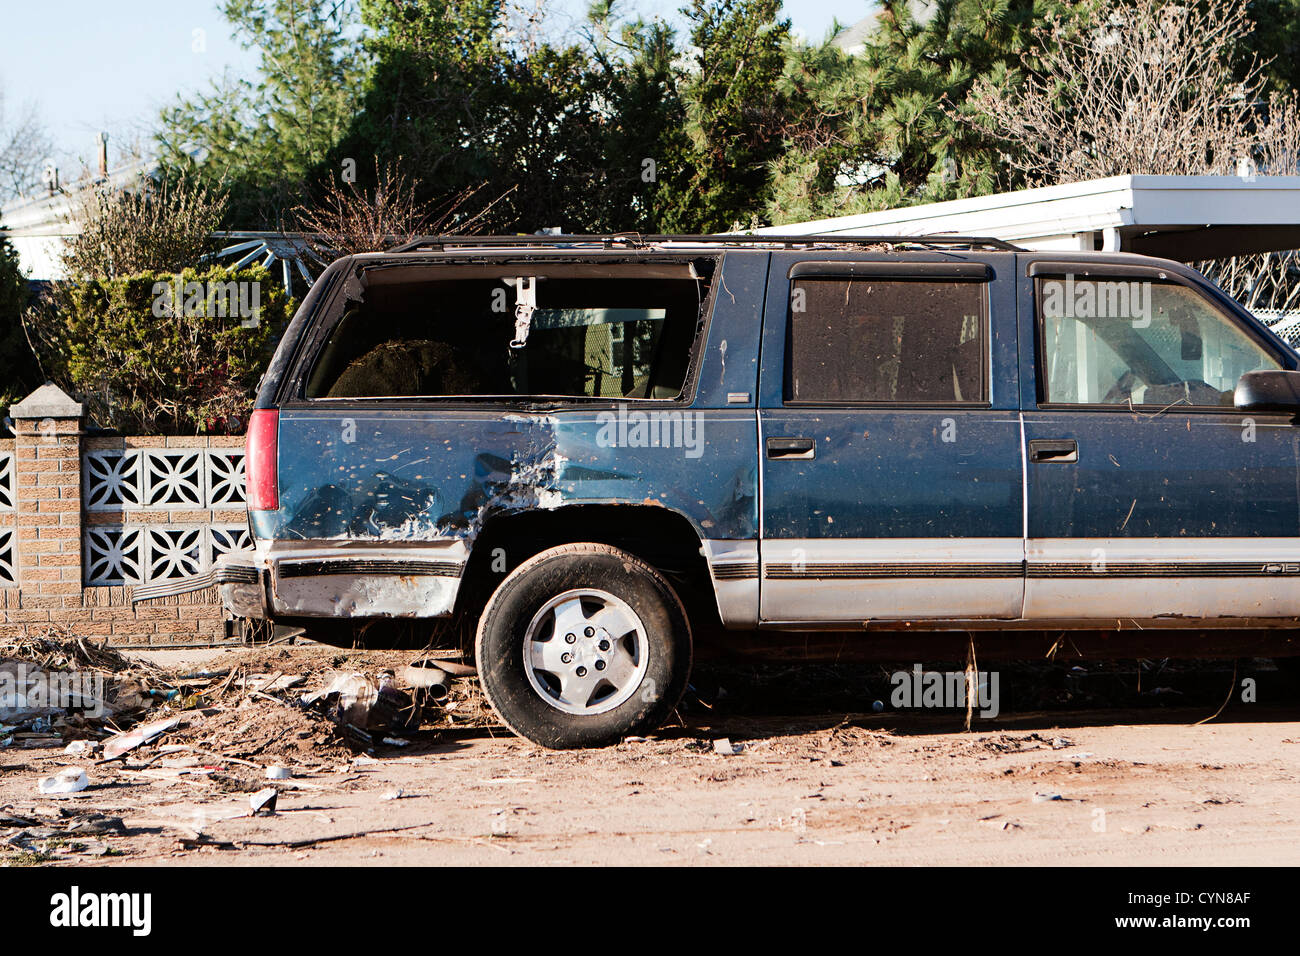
{"x":1081,"y":768}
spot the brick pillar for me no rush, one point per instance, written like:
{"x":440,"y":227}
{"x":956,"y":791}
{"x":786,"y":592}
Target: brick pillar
{"x":47,"y":477}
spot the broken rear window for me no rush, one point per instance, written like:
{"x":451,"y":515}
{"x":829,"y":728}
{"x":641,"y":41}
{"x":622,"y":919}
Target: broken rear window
{"x":501,"y":331}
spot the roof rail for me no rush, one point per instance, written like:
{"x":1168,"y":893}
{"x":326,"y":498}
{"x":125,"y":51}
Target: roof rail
{"x":634,"y":240}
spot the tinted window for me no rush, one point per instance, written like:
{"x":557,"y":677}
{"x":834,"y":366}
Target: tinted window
{"x":872,"y":340}
{"x":1122,"y":341}
{"x":589,"y":337}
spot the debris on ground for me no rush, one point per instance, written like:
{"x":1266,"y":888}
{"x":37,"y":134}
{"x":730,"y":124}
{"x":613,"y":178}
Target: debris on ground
{"x":254,"y":713}
{"x":204,"y":735}
{"x":428,"y":682}
{"x":884,"y":780}
{"x":56,"y":686}
{"x":263,"y":800}
{"x":365,"y":708}
{"x":68,"y":780}
{"x":46,"y":834}
{"x":128,"y":740}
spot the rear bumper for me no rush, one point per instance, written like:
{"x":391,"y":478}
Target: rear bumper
{"x":332,"y":579}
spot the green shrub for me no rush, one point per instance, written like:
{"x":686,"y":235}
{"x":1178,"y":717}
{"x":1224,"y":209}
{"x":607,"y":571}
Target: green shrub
{"x":147,"y":360}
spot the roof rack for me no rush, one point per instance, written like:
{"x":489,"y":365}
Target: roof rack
{"x":634,"y":240}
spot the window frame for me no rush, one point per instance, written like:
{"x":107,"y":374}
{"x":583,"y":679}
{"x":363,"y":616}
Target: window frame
{"x":979,"y":273}
{"x":326,"y":320}
{"x":1224,"y":307}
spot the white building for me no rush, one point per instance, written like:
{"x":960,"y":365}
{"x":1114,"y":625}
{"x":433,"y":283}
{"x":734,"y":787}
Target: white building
{"x":40,"y":226}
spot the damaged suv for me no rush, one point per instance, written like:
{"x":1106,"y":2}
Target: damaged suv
{"x":592,"y":446}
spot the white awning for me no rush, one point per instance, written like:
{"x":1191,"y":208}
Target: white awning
{"x":1186,"y":218}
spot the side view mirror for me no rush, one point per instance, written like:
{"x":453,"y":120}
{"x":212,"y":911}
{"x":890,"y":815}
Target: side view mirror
{"x":1268,"y":391}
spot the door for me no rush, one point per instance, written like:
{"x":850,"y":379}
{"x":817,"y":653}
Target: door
{"x":891,"y":475}
{"x":1150,"y":495}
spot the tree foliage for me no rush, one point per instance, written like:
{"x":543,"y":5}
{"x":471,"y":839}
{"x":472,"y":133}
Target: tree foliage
{"x":151,"y":226}
{"x":265,"y":138}
{"x":19,"y":370}
{"x":25,"y":146}
{"x":736,"y":116}
{"x":348,"y":218}
{"x":1145,"y":86}
{"x":1137,"y":86}
{"x":883,"y":128}
{"x":628,"y":125}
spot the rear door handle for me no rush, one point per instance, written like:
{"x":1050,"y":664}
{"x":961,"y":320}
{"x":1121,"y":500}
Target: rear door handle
{"x":791,"y":448}
{"x":1053,"y":450}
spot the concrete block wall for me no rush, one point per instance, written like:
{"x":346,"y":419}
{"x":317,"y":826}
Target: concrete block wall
{"x":46,"y":577}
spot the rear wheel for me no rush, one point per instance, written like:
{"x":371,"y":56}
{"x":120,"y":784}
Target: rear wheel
{"x":582,"y":645}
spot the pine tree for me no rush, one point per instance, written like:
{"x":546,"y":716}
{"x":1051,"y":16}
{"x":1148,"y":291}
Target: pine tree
{"x":266,"y":137}
{"x":736,"y":117}
{"x":882,"y":129}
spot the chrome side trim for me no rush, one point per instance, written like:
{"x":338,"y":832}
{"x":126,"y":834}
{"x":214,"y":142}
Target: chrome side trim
{"x":735,"y":572}
{"x":195,"y":582}
{"x":235,"y":574}
{"x":818,"y":580}
{"x":1189,"y":569}
{"x":911,"y":570}
{"x":302,"y":569}
{"x":1203,"y":579}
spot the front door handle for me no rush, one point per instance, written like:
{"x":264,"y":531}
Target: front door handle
{"x":791,"y":448}
{"x":1053,"y":450}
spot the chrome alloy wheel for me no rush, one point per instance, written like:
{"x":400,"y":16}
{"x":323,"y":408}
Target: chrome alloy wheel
{"x":585,"y":652}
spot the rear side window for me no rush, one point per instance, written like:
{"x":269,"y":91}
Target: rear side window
{"x":416,"y":332}
{"x":892,"y":341}
{"x":1138,"y":342}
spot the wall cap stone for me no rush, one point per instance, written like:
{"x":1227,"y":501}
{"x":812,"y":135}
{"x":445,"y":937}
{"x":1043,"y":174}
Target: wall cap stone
{"x":48,"y":401}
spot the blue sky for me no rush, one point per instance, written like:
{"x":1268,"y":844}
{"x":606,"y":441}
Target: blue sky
{"x":93,"y":66}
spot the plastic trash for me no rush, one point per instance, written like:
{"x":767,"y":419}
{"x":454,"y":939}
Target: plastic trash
{"x":68,"y":780}
{"x":278,"y":773}
{"x":142,"y":734}
{"x":264,"y":800}
{"x":365,"y":709}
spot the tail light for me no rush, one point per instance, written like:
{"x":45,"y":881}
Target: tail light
{"x":260,"y":459}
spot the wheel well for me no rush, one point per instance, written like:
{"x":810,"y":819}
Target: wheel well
{"x":661,"y":537}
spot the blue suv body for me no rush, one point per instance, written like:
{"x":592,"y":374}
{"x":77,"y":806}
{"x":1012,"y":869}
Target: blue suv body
{"x":589,"y":445}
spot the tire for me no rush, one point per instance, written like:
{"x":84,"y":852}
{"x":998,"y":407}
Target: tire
{"x":582,"y":645}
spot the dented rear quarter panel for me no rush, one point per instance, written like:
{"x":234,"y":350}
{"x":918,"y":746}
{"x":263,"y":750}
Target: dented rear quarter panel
{"x":411,"y":477}
{"x":424,"y":474}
